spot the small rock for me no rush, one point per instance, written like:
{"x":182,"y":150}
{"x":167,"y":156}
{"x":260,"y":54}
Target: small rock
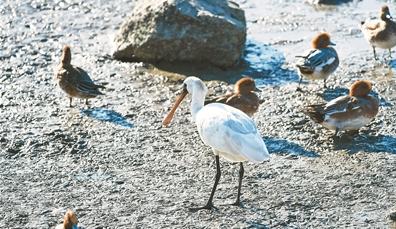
{"x":392,"y":216}
{"x":119,"y":182}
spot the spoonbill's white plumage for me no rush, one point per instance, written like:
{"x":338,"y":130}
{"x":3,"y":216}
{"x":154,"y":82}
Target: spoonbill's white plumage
{"x":230,"y":132}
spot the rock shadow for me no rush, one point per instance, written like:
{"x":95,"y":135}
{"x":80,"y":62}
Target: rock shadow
{"x":265,"y":64}
{"x":283,"y":146}
{"x":107,"y":115}
{"x":328,"y":5}
{"x":367,"y":143}
{"x":261,"y":61}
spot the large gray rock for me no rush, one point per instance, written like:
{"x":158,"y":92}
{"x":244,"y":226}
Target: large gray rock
{"x":208,"y":31}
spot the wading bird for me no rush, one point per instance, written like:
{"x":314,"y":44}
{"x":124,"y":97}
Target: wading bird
{"x":320,"y":61}
{"x":243,"y":98}
{"x":69,"y":221}
{"x":74,"y":81}
{"x":349,"y":112}
{"x":230,"y":132}
{"x":381,"y":33}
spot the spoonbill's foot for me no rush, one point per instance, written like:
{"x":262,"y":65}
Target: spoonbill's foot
{"x":206,"y":207}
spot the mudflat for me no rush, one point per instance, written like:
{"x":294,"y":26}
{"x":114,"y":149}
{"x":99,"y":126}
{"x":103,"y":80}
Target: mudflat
{"x":117,"y":167}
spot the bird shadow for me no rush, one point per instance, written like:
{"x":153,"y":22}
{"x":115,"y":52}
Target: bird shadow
{"x":107,"y":115}
{"x":366,"y":143}
{"x":332,"y":93}
{"x":258,"y":225}
{"x":283,"y":146}
{"x":392,"y":64}
{"x":260,"y":61}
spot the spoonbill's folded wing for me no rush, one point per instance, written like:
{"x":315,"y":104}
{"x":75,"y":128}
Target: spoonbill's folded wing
{"x":231,"y":132}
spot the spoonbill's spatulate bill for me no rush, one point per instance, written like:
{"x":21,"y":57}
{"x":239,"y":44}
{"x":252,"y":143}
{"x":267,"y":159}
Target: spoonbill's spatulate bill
{"x":230,"y":132}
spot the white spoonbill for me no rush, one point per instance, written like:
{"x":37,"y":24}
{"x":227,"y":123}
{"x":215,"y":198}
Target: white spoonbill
{"x":229,"y":131}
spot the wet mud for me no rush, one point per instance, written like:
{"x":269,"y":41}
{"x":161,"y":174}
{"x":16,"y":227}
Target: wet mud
{"x":117,"y":167}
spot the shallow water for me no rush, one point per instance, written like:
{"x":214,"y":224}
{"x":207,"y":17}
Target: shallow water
{"x":280,"y":30}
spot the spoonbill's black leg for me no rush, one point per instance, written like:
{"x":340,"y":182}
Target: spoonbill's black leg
{"x":241,"y":171}
{"x":209,"y":205}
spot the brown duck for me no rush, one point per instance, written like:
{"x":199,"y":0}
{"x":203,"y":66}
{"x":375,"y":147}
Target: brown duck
{"x":349,"y":112}
{"x":69,"y":221}
{"x":381,"y":33}
{"x":320,"y":61}
{"x":243,"y":97}
{"x":74,"y":81}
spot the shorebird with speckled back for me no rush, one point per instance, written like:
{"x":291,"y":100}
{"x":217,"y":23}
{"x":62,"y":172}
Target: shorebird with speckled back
{"x":69,"y":221}
{"x":320,"y":61}
{"x":74,"y":81}
{"x":231,"y":133}
{"x":243,"y":98}
{"x":349,"y":112}
{"x":381,"y":33}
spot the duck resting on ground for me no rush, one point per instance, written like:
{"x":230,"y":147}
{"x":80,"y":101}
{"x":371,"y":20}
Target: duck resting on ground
{"x":243,"y":98}
{"x":349,"y":112}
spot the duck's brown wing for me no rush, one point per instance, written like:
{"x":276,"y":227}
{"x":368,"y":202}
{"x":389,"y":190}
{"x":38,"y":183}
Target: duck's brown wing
{"x":350,"y":107}
{"x":84,"y":83}
{"x":319,"y":112}
{"x":343,"y":108}
{"x":219,"y":99}
{"x":247,"y":103}
{"x":85,"y":78}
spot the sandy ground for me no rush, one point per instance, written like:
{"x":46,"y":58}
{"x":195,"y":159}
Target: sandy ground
{"x":117,"y":167}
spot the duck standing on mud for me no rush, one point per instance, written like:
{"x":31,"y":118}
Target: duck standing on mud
{"x":349,"y":112}
{"x":381,"y":33}
{"x":243,"y":98}
{"x":74,"y":81}
{"x":230,"y":132}
{"x":320,"y":61}
{"x":69,"y":221}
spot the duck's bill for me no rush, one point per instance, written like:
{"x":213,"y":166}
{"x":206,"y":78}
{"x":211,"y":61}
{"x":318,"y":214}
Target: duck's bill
{"x":331,"y":43}
{"x":256,"y":89}
{"x":168,"y":118}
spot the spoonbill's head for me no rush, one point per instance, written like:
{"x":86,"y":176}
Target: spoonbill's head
{"x":192,"y":85}
{"x":245,"y":86}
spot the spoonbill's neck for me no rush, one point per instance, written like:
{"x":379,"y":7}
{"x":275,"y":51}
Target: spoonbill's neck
{"x":197,"y":102}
